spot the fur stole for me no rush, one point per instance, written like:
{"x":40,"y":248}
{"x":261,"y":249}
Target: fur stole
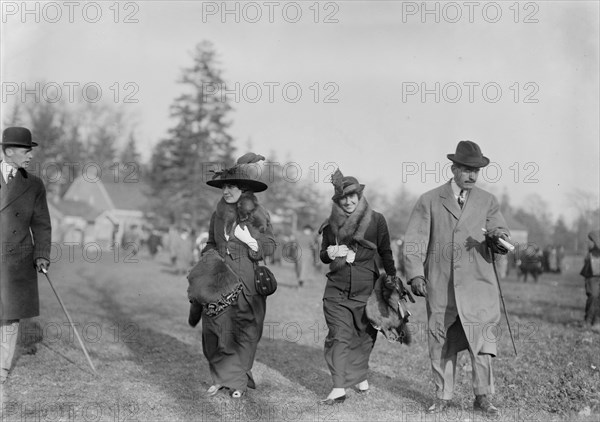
{"x":246,"y":211}
{"x":350,"y":229}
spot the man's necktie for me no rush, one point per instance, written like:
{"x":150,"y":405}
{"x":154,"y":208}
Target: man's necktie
{"x":10,"y":177}
{"x":461,"y":198}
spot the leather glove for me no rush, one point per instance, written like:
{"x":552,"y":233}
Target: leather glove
{"x":351,"y":256}
{"x":335,"y":251}
{"x":418,"y":286}
{"x":492,"y":239}
{"x":244,"y":235}
{"x":41,"y":263}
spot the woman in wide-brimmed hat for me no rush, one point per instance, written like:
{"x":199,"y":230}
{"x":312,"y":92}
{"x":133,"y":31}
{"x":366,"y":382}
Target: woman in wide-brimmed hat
{"x":352,"y":236}
{"x":240,"y":231}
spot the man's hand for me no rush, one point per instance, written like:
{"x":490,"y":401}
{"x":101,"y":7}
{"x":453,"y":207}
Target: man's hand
{"x":418,"y":286}
{"x":41,"y":263}
{"x":244,"y":235}
{"x":335,"y":251}
{"x":492,"y":238}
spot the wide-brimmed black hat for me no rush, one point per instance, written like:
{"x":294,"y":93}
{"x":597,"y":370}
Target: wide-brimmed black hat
{"x":468,"y":154}
{"x":17,"y":137}
{"x":240,"y":175}
{"x":344,"y":185}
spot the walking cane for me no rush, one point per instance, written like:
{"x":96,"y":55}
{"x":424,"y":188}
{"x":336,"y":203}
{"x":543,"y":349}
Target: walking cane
{"x":509,"y":247}
{"x":45,"y":271}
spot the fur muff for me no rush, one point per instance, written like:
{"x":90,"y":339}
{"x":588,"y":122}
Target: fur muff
{"x":211,"y":279}
{"x":383,"y":313}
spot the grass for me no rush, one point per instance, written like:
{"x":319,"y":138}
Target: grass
{"x":133,"y":318}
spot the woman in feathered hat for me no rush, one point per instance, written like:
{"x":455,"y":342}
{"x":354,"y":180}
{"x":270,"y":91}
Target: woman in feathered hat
{"x":240,"y":230}
{"x":352,"y":236}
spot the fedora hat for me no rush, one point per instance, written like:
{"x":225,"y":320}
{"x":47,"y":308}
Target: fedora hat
{"x":240,"y":174}
{"x":468,"y":154}
{"x":344,"y":185}
{"x":17,"y":137}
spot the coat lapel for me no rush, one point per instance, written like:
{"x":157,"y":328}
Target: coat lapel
{"x":13,"y":190}
{"x":448,"y":201}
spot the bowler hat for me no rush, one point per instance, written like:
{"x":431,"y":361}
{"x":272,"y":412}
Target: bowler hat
{"x":17,"y":137}
{"x":468,"y":154}
{"x":240,"y":174}
{"x":344,"y":185}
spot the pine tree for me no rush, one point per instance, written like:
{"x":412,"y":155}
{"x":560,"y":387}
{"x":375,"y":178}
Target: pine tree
{"x":197,"y":143}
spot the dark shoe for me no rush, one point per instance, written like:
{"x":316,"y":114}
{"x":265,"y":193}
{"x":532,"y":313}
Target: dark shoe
{"x":331,"y":402}
{"x":484,"y":405}
{"x":365,"y":391}
{"x":438,"y":406}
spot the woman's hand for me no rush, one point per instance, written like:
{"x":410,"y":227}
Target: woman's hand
{"x":244,"y":235}
{"x":335,"y":251}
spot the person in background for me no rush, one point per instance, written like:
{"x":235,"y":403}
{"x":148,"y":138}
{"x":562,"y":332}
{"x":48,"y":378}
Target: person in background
{"x":304,"y":254}
{"x":591,"y":272}
{"x":25,"y":234}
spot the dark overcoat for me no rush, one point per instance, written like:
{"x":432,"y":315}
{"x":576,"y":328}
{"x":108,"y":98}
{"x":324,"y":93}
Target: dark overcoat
{"x":447,"y":246}
{"x":25,"y":235}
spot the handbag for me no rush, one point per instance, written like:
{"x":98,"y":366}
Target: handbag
{"x":264,"y":280}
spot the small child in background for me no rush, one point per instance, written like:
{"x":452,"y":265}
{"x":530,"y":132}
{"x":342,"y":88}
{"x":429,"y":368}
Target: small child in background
{"x":591,"y":272}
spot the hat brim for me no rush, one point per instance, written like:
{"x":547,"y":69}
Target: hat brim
{"x":12,"y":144}
{"x":353,"y":189}
{"x":253,"y":185}
{"x":478,"y":163}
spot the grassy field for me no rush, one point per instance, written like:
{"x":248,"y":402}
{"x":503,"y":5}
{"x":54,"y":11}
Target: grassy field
{"x":133,"y":318}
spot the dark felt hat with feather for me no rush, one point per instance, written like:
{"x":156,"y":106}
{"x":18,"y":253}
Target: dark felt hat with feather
{"x":344,"y":185}
{"x":241,"y":174}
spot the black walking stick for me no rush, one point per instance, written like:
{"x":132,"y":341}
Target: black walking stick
{"x":509,"y":247}
{"x":45,"y":271}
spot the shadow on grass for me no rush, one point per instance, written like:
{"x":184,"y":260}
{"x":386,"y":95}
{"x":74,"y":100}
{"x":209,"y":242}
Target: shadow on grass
{"x":306,"y":366}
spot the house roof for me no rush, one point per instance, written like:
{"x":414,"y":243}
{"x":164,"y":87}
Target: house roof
{"x":110,"y":192}
{"x":81,"y":209}
{"x":125,"y":193}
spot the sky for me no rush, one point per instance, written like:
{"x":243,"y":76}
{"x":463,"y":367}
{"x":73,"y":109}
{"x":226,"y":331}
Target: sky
{"x":384,"y":90}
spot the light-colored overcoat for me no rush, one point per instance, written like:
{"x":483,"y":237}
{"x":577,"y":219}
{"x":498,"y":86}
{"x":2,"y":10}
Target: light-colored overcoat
{"x":447,"y":246}
{"x":25,"y":235}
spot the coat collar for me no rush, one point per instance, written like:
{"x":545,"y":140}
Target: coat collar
{"x":15,"y":189}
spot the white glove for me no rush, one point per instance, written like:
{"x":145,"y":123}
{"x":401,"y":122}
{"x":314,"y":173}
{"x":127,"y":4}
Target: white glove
{"x":335,"y":251}
{"x":351,"y":256}
{"x":244,"y":235}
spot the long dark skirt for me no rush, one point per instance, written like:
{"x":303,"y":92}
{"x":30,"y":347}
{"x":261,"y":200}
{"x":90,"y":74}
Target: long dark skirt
{"x":349,"y":342}
{"x":229,"y":341}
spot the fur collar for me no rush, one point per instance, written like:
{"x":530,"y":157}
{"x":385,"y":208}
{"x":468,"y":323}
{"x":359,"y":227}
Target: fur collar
{"x":246,"y":211}
{"x":350,"y":229}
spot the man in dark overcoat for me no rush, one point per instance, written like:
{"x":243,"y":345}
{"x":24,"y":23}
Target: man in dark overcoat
{"x":25,"y":239}
{"x":449,"y":262}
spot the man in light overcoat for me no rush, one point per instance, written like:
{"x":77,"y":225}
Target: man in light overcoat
{"x":448,"y":261}
{"x":25,"y":239}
